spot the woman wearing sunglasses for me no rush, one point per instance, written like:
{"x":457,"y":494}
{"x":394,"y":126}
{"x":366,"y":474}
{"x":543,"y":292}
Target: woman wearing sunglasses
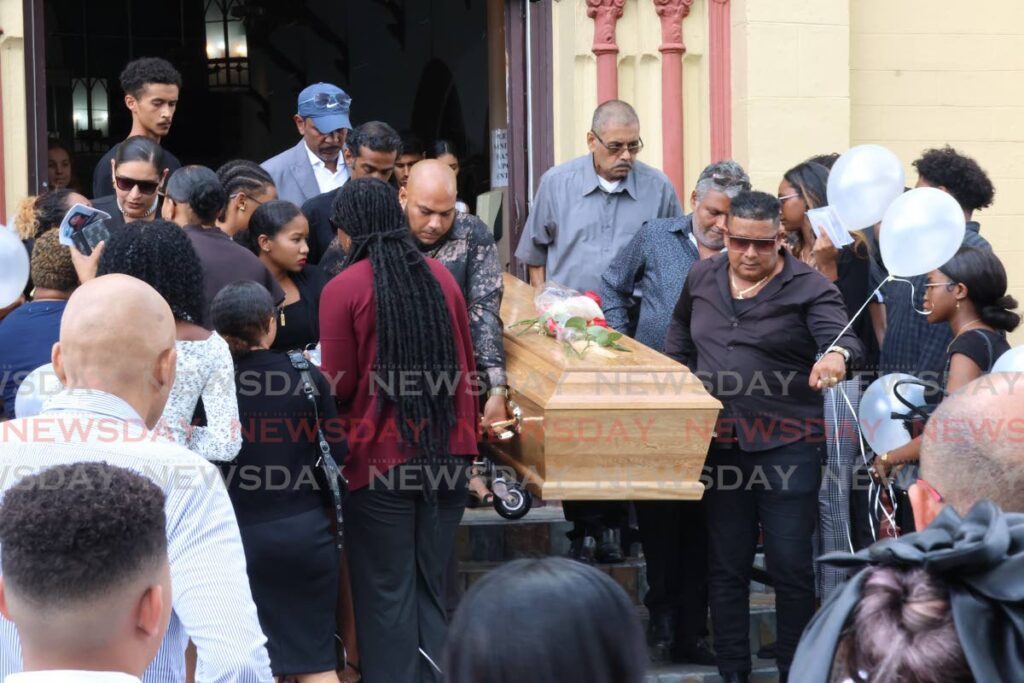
{"x":138,"y":172}
{"x":969,"y":295}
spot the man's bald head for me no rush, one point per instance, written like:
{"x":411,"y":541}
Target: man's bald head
{"x":613,"y":113}
{"x":973,"y":447}
{"x":429,"y":200}
{"x":117,"y":335}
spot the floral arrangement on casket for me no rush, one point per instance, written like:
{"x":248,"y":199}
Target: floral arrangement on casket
{"x":576,"y":320}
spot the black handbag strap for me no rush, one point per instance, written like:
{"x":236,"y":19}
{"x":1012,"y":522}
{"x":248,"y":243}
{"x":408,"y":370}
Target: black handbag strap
{"x":326,"y":462}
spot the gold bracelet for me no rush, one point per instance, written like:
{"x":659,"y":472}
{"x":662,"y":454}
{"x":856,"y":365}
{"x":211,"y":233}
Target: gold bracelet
{"x":497,"y":391}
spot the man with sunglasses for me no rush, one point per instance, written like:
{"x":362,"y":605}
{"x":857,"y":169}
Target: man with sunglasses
{"x":314,"y":165}
{"x":639,"y":291}
{"x":762,"y":330}
{"x":586,"y":210}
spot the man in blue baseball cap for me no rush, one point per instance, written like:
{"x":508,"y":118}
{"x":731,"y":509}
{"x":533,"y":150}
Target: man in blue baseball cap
{"x":314,"y":165}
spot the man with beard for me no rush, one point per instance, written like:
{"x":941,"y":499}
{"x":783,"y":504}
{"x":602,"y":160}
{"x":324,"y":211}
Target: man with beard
{"x":314,"y":165}
{"x":151,"y":87}
{"x":639,"y":292}
{"x":585,"y":212}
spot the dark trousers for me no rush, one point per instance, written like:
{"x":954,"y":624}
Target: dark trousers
{"x":400,"y":536}
{"x":779,"y":489}
{"x":675,"y":541}
{"x":591,"y":517}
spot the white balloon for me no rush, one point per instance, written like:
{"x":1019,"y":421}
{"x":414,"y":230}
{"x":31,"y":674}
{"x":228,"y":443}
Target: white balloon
{"x":921,"y":231}
{"x":1011,"y":361}
{"x":35,"y":390}
{"x":863,"y":183}
{"x":879,"y":402}
{"x":14,"y":267}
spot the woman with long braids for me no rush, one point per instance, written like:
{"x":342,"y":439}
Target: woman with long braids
{"x":397,"y":350}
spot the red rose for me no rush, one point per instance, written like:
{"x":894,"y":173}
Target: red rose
{"x":600,"y":322}
{"x":593,"y":295}
{"x":552,"y":326}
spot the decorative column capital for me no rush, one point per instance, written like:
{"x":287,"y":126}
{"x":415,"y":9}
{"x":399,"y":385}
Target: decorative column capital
{"x":721,"y":2}
{"x":672,"y":13}
{"x":605,"y":13}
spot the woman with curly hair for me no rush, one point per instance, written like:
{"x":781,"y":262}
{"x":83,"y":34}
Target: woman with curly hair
{"x":278,"y":234}
{"x":159,"y":253}
{"x":195,"y":199}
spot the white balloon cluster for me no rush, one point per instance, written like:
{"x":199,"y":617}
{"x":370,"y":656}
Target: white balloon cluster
{"x":14,"y":267}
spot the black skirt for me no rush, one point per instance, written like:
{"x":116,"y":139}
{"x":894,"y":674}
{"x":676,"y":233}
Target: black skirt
{"x":293,"y":573}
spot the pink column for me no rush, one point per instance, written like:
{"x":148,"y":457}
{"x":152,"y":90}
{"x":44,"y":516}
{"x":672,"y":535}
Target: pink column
{"x":719,"y":47}
{"x":672,"y":48}
{"x":605,"y":14}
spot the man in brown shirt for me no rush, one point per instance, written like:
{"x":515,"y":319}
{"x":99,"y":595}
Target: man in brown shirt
{"x":765,"y":332}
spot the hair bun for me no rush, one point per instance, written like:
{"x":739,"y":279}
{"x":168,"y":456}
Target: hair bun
{"x":1001,"y":315}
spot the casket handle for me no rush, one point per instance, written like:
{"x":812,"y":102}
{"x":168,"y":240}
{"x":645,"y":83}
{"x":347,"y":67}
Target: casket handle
{"x":505,"y":430}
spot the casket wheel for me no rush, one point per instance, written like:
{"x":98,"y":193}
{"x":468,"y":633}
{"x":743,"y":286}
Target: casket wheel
{"x":515,"y":504}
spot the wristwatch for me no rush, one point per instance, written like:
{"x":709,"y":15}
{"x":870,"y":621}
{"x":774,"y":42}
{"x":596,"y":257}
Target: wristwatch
{"x":841,"y":351}
{"x":884,"y":457}
{"x":497,"y":391}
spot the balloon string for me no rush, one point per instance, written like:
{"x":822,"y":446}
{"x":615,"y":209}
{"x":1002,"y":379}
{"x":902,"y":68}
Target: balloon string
{"x":871,"y":297}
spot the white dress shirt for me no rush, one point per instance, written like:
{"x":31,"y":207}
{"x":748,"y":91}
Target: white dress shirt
{"x":212,"y":603}
{"x":326,"y":179}
{"x":71,"y":676}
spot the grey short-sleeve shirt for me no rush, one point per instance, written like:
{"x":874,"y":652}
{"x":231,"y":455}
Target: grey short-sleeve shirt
{"x":576,"y":228}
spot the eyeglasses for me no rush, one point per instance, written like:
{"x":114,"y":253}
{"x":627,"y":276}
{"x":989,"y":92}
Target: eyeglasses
{"x":248,"y":196}
{"x":128,"y":184}
{"x":931,"y":490}
{"x":939,"y":284}
{"x":327,"y":99}
{"x":783,"y":198}
{"x":617,"y":147}
{"x":743,"y":244}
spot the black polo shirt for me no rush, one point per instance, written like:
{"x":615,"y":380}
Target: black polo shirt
{"x":755,"y":355}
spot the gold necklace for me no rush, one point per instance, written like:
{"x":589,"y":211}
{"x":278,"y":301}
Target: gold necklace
{"x":963,"y":329}
{"x":741,"y":292}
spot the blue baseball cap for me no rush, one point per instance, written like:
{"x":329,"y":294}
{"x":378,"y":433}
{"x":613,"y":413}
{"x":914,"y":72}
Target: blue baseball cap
{"x":327,"y":105}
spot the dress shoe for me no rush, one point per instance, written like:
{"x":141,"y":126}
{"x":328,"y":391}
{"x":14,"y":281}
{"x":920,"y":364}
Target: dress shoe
{"x":583,"y":549}
{"x":609,"y":550}
{"x":659,"y":635}
{"x":736,"y":677}
{"x":694,"y":652}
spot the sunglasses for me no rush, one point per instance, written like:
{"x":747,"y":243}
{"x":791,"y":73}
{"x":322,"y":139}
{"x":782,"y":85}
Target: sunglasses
{"x":617,"y":147}
{"x":128,"y":184}
{"x":326,"y":99}
{"x":743,"y":244}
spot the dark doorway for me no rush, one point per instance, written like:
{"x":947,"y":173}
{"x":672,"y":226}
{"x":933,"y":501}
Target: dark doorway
{"x":419,"y":65}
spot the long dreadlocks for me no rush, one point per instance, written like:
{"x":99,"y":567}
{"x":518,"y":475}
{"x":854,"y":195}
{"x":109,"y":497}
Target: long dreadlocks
{"x":415,"y":341}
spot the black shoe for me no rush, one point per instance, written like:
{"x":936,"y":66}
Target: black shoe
{"x":659,"y":635}
{"x":609,"y":551}
{"x":736,"y":677}
{"x":583,"y":549}
{"x":694,"y":652}
{"x":766,"y":651}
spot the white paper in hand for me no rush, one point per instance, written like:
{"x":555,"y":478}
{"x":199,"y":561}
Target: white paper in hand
{"x":77,"y":219}
{"x":825,"y":220}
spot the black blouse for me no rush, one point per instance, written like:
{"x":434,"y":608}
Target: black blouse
{"x":298,"y":323}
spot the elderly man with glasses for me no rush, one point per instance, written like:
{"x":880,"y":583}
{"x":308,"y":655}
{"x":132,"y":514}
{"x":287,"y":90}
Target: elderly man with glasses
{"x":765,"y":332}
{"x":585,"y":212}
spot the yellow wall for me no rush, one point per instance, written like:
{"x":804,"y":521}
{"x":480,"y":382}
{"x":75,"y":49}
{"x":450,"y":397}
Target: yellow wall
{"x":927,"y":73}
{"x":638,"y":34}
{"x":12,"y":72}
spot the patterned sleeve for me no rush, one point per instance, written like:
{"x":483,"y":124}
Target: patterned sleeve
{"x":484,"y":290}
{"x":221,"y":439}
{"x":619,"y":282}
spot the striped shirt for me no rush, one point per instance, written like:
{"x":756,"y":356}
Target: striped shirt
{"x":212,"y":603}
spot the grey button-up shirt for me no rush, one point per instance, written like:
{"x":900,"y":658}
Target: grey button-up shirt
{"x":652,"y":269}
{"x":575,"y":228}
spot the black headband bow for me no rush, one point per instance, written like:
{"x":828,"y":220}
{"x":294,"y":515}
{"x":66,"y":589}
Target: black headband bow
{"x":981,"y":558}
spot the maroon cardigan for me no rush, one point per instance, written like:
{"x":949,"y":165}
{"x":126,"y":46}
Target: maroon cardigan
{"x":348,"y":339}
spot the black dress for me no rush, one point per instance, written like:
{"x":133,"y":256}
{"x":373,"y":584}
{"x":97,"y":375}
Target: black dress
{"x":283,"y":515}
{"x":982,"y":346}
{"x":298,"y":324}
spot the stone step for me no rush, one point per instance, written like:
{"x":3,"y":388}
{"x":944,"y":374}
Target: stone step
{"x":764,"y":671}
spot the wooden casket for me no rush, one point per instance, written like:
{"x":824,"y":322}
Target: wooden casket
{"x":609,"y":426}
